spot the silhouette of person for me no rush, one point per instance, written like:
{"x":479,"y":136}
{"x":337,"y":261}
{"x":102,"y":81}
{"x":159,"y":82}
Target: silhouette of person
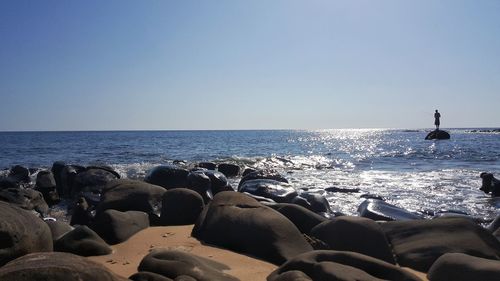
{"x":437,"y":115}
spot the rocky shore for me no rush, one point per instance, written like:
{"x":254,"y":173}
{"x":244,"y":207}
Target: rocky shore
{"x":188,"y":223}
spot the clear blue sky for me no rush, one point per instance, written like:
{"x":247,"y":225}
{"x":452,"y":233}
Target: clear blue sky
{"x":110,"y":65}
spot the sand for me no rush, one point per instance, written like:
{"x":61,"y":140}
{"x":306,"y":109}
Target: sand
{"x":126,"y":256}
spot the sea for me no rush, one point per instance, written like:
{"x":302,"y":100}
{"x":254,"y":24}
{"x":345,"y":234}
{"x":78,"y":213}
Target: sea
{"x":399,"y":165}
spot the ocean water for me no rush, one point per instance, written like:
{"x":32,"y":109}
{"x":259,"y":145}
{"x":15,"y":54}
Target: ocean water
{"x":399,"y":165}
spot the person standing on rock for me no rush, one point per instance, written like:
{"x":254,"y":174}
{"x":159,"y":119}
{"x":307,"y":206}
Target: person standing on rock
{"x":437,"y":115}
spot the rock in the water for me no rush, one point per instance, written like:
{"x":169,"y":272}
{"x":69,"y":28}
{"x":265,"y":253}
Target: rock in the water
{"x":462,"y":267}
{"x":229,"y":170}
{"x":91,"y":181}
{"x":418,"y":243}
{"x":21,"y":232}
{"x":173,"y":264}
{"x":131,"y":195}
{"x":314,"y":202}
{"x":46,"y":184}
{"x":82,"y":241}
{"x":218,"y":181}
{"x":19,"y":174}
{"x":115,"y":227}
{"x":168,"y":176}
{"x":262,"y":174}
{"x":438,"y":135}
{"x":56,"y":266}
{"x":207,"y":165}
{"x":28,"y":199}
{"x":280,"y":192}
{"x":303,"y":218}
{"x":180,"y":206}
{"x":328,"y":265}
{"x":490,"y":184}
{"x":238,"y":222}
{"x":355,"y":234}
{"x":381,"y":211}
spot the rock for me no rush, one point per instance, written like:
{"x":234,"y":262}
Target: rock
{"x":56,"y":267}
{"x":91,"y":181}
{"x":314,"y":202}
{"x":301,"y":217}
{"x":262,"y":174}
{"x":200,"y":182}
{"x":494,"y":225}
{"x":462,"y":267}
{"x":149,"y":276}
{"x":280,"y":192}
{"x":342,"y":190}
{"x":46,"y":184}
{"x":173,"y":264}
{"x":490,"y":184}
{"x":28,"y":199}
{"x":248,"y":171}
{"x":115,"y":227}
{"x":218,"y":181}
{"x":168,"y":177}
{"x":6,"y":182}
{"x":21,"y":232}
{"x":131,"y":195}
{"x":180,"y":206}
{"x":58,"y":228}
{"x":207,"y":165}
{"x":355,"y":234}
{"x":341,"y":266}
{"x":19,"y":174}
{"x":82,"y":241}
{"x":81,"y":213}
{"x":381,"y":211}
{"x":438,"y":135}
{"x":229,"y":170}
{"x":56,"y":170}
{"x":419,"y":243}
{"x":238,"y":222}
{"x":67,"y":178}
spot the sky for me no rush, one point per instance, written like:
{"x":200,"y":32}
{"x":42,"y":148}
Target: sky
{"x":260,"y":64}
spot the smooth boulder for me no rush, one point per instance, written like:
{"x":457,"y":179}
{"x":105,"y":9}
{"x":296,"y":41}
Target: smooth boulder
{"x":229,"y":170}
{"x":46,"y":184}
{"x":82,"y":241}
{"x":462,"y":267}
{"x":180,"y":206}
{"x":304,"y":219}
{"x":278,"y":191}
{"x":56,"y":266}
{"x":379,"y":210}
{"x":21,"y":232}
{"x":28,"y":199}
{"x":438,"y":135}
{"x":168,"y":177}
{"x":115,"y":227}
{"x":173,"y":264}
{"x":238,"y":222}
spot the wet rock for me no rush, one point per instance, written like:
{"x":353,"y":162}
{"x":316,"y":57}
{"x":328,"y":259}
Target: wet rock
{"x":238,"y":222}
{"x":438,"y":135}
{"x":337,"y":265}
{"x":46,"y":184}
{"x":490,"y":184}
{"x":301,"y":217}
{"x":207,"y":165}
{"x":168,"y":177}
{"x":355,"y":234}
{"x":462,"y":267}
{"x":21,"y":232}
{"x":91,"y":181}
{"x":82,"y":241}
{"x":115,"y":227}
{"x":199,"y":182}
{"x":173,"y":264}
{"x":248,"y":171}
{"x":180,"y":206}
{"x":278,"y":191}
{"x":229,"y":170}
{"x":56,"y":267}
{"x":66,"y":180}
{"x":262,"y":175}
{"x":19,"y":174}
{"x":218,"y":181}
{"x":342,"y":190}
{"x":379,"y":210}
{"x":28,"y":199}
{"x":419,"y":243}
{"x":81,"y":213}
{"x":131,"y":195}
{"x":314,"y":202}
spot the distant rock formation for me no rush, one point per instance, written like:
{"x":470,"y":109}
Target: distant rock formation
{"x":438,"y":135}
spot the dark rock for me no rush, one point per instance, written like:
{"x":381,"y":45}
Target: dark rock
{"x":56,"y":267}
{"x":173,"y":264}
{"x":82,"y":241}
{"x":266,"y":201}
{"x":342,"y":190}
{"x":461,"y":267}
{"x":301,"y":217}
{"x":201,"y":183}
{"x":58,"y":228}
{"x":149,"y":276}
{"x":280,"y":192}
{"x":218,"y":181}
{"x":495,"y":224}
{"x":131,"y":195}
{"x":336,"y":265}
{"x":229,"y":170}
{"x":180,"y":206}
{"x":248,"y":171}
{"x":8,"y":183}
{"x":21,"y":232}
{"x":381,"y":211}
{"x":56,"y":170}
{"x":19,"y":174}
{"x":168,"y":177}
{"x":355,"y":234}
{"x":81,"y":213}
{"x":238,"y":222}
{"x":418,"y":243}
{"x":90,"y":182}
{"x":115,"y":227}
{"x":67,"y":178}
{"x":438,"y":135}
{"x":28,"y":199}
{"x":262,"y":174}
{"x":490,"y":184}
{"x":314,"y":202}
{"x":46,"y":184}
{"x":207,"y":165}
